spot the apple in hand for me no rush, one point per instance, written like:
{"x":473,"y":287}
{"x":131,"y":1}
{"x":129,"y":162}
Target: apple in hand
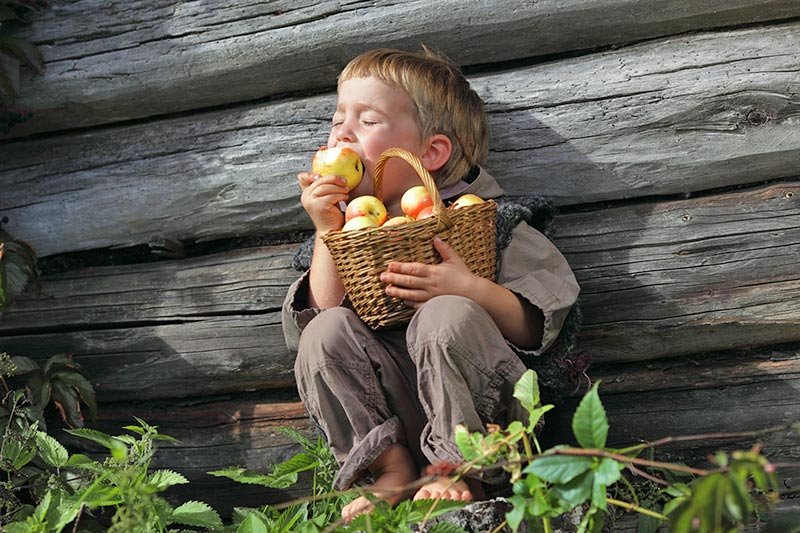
{"x":339,"y":161}
{"x":366,"y":206}
{"x":359,"y":223}
{"x":398,"y":221}
{"x":415,"y":200}
{"x":467,"y":199}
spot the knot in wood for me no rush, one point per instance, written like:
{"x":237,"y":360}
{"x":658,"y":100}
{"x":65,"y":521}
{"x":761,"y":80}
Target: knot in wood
{"x":757,"y":117}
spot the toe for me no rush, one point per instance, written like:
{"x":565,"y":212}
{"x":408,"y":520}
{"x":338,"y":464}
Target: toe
{"x":422,"y":494}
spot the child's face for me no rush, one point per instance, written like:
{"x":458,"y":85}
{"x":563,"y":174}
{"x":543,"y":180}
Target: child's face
{"x":370,"y":117}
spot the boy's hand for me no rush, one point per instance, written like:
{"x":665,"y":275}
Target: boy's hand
{"x":416,"y":283}
{"x":320,"y":198}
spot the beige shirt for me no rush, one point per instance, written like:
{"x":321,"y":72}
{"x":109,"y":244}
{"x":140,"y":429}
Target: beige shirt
{"x":530,"y":266}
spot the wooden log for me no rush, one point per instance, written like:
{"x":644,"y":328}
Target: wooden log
{"x":216,"y":355}
{"x":113,"y":61}
{"x":693,"y":113}
{"x":658,"y":280}
{"x":690,"y":276}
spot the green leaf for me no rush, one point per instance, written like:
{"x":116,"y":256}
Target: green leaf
{"x":526,"y":390}
{"x":466,"y":444}
{"x":93,"y":435}
{"x":66,"y":400}
{"x":162,"y":479}
{"x":590,"y":423}
{"x":51,"y":450}
{"x":253,"y":523}
{"x":25,"y":51}
{"x":194,"y":513}
{"x":84,"y":389}
{"x":515,"y":516}
{"x":18,"y":453}
{"x":574,"y":493}
{"x":559,"y":468}
{"x":283,"y":475}
{"x":24,"y":365}
{"x":608,"y":471}
{"x":17,"y":264}
{"x":78,"y":459}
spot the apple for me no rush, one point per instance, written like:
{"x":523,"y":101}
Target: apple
{"x":467,"y":199}
{"x":415,"y":200}
{"x":366,"y":206}
{"x":425,"y":213}
{"x":398,"y":221}
{"x":359,"y":223}
{"x":339,"y":161}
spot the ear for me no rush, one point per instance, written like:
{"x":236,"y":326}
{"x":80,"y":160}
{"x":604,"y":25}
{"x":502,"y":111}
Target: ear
{"x":437,"y":152}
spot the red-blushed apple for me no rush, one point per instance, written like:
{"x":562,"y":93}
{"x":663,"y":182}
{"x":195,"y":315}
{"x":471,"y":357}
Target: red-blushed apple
{"x":339,"y":161}
{"x":398,"y":221}
{"x":425,"y":213}
{"x":366,"y":206}
{"x":359,"y":223}
{"x":467,"y":199}
{"x":415,"y":200}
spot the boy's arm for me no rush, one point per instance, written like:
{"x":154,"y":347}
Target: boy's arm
{"x":320,"y":198}
{"x":325,"y":287}
{"x":519,"y":321}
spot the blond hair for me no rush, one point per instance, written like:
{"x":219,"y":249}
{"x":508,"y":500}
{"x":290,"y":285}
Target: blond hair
{"x":442,"y":98}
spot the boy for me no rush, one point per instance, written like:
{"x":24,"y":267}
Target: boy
{"x":388,"y":400}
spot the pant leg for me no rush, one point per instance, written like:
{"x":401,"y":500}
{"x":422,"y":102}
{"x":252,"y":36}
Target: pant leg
{"x":360,"y":390}
{"x":466,"y":372}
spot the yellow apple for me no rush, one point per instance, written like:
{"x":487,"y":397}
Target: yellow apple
{"x":467,"y":199}
{"x":366,"y":206}
{"x":339,"y":161}
{"x":415,"y":200}
{"x":359,"y":223}
{"x":398,"y":221}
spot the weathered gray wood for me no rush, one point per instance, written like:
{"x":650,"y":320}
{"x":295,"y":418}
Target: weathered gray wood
{"x":243,"y":282}
{"x":688,"y":276}
{"x":686,"y":114}
{"x":658,"y":280}
{"x":190,"y":357}
{"x":111,"y":61}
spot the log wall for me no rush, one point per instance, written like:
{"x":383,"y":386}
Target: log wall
{"x":666,"y":132}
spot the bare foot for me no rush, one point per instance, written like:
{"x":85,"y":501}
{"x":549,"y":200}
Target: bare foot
{"x":392,"y":470}
{"x":443,"y":488}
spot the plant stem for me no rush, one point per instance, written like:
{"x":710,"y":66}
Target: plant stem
{"x":633,"y":507}
{"x":592,"y":452}
{"x":548,"y":527}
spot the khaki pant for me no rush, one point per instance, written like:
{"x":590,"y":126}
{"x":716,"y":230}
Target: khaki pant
{"x":369,"y":389}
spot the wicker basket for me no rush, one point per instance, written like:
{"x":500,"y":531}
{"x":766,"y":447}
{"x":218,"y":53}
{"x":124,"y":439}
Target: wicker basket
{"x":361,"y":256}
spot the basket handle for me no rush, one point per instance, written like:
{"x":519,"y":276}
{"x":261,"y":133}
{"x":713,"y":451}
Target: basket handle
{"x":439,"y":211}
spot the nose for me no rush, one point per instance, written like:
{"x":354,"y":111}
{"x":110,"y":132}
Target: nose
{"x":344,"y":132}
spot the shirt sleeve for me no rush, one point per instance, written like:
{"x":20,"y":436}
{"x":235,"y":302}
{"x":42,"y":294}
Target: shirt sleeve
{"x":533,"y":268}
{"x":296,"y":313}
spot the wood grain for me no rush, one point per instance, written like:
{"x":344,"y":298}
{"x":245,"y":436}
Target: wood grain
{"x":116,"y":61}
